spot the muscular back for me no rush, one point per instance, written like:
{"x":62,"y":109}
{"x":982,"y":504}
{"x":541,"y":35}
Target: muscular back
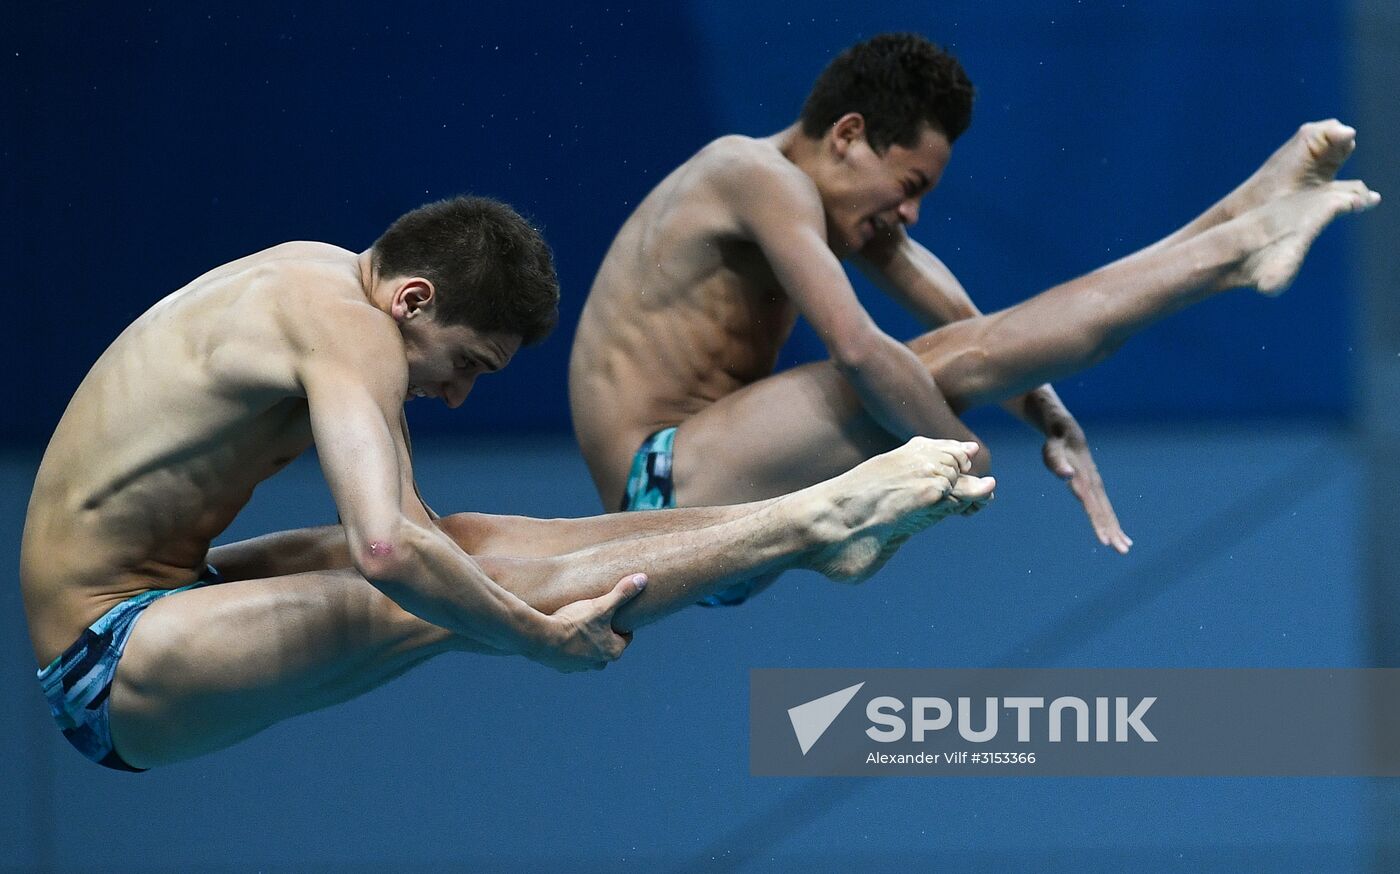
{"x":185,"y":413}
{"x":684,"y":311}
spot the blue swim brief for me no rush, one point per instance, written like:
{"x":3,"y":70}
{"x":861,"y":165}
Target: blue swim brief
{"x":78,"y":682}
{"x":649,"y":487}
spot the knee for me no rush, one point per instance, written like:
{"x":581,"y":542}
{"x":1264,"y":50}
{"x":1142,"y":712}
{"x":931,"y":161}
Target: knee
{"x":963,"y":374}
{"x":471,"y":531}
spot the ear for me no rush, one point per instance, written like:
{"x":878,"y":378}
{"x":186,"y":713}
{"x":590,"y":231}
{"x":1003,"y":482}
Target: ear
{"x":413,"y":297}
{"x":846,"y":132}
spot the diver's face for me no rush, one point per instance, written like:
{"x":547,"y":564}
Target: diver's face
{"x":870,"y":193}
{"x":445,"y":360}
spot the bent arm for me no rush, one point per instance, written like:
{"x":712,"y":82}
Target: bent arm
{"x":355,"y":381}
{"x":919,"y":281}
{"x":896,"y":389}
{"x":915,"y":278}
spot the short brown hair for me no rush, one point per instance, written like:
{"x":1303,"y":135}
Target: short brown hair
{"x":491,"y":268}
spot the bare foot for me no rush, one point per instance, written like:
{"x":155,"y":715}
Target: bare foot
{"x":865,"y":514}
{"x":1288,"y":226}
{"x":1311,"y":157}
{"x":862,"y":556}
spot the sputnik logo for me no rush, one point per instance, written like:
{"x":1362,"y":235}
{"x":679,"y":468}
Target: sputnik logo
{"x":811,"y":720}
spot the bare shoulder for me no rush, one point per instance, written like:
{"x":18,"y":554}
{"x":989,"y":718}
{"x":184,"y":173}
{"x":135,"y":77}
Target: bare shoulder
{"x":270,"y":258}
{"x":294,"y":305}
{"x":754,"y":176}
{"x":322,"y":308}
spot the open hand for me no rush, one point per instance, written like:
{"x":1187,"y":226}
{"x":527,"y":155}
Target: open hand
{"x":1066,"y":453}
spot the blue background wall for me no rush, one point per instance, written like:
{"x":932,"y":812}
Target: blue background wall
{"x":143,"y":146}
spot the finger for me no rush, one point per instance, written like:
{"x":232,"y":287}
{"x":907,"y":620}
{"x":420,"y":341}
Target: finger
{"x":1091,"y":492}
{"x":1122,"y":543}
{"x":615,"y":647}
{"x":1103,"y":518}
{"x":1101,"y":514}
{"x":968,"y":506}
{"x":626,"y":589}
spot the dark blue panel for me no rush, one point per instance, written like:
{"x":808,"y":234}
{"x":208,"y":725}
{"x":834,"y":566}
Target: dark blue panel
{"x":157,"y":143}
{"x":150,"y":144}
{"x":1098,"y":129}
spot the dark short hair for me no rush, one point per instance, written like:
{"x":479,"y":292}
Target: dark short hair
{"x":897,"y":82}
{"x":490,"y":267}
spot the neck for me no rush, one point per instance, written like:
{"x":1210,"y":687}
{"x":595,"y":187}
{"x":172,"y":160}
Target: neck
{"x":797,"y":147}
{"x":808,"y":155}
{"x":369,"y":279}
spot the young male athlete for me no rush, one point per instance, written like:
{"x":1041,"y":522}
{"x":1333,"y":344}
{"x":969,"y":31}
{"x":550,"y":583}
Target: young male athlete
{"x":671,"y":386}
{"x":152,"y":655}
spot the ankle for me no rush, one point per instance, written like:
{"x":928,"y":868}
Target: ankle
{"x":814,"y":517}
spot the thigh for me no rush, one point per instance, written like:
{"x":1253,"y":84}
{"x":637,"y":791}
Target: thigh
{"x":206,"y":668}
{"x":806,"y":425}
{"x":780,"y":434}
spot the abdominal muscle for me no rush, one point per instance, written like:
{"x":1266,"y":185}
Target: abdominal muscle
{"x":642,"y":363}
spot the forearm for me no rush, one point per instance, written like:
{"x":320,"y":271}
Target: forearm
{"x":428,"y":575}
{"x":929,"y":289}
{"x":915,"y":277}
{"x":900,"y":394}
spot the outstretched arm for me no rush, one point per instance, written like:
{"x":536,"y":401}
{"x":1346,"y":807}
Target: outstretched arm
{"x":922,"y":284}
